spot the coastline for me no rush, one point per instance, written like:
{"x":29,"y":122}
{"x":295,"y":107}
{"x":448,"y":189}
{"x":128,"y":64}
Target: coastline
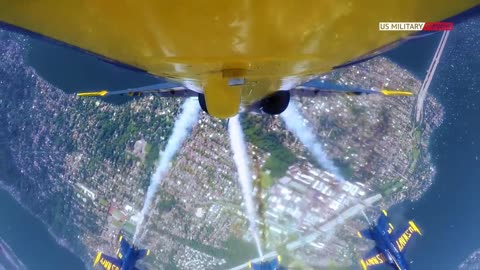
{"x":60,"y":241}
{"x":16,"y":48}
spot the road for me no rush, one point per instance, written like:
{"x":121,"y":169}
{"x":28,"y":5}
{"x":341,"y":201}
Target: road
{"x":326,"y":227}
{"x":428,"y":79}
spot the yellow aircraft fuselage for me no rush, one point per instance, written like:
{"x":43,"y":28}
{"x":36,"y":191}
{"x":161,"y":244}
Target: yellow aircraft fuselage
{"x":271,"y":44}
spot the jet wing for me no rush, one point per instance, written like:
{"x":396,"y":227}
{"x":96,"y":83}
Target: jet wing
{"x":365,"y":234}
{"x":318,"y":87}
{"x":165,"y":89}
{"x":107,"y":262}
{"x":403,"y":237}
{"x":373,"y":259}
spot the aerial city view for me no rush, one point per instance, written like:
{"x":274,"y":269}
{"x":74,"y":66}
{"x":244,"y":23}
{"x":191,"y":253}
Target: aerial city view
{"x":242,"y":136}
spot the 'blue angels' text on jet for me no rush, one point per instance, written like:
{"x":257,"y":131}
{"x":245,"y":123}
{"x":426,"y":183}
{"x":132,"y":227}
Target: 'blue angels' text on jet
{"x":127,"y":257}
{"x":267,"y":265}
{"x":390,"y":244}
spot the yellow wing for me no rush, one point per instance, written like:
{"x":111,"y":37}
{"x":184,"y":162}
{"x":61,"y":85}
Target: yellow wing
{"x":404,"y":238}
{"x":207,"y":42}
{"x":107,"y":262}
{"x":372,"y":259}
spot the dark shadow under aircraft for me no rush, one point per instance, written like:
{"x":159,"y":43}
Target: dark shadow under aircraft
{"x":127,"y":257}
{"x":390,"y":244}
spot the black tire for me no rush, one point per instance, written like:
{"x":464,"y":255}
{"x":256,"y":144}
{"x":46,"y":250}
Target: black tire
{"x":276,"y":103}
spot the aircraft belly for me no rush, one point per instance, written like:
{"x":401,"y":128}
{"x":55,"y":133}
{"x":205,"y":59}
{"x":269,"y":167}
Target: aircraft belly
{"x":204,"y":44}
{"x":192,"y":39}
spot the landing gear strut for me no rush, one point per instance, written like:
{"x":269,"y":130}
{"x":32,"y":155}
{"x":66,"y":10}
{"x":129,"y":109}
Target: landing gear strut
{"x":201,"y":101}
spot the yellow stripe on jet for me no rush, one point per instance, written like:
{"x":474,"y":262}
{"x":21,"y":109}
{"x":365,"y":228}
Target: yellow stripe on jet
{"x":390,"y":229}
{"x":119,"y":254}
{"x":148,"y":252}
{"x":97,"y":259}
{"x":93,"y":94}
{"x":395,"y":92}
{"x":385,"y":213}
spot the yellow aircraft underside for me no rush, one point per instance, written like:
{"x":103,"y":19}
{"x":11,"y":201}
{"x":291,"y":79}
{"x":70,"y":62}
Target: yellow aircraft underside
{"x":208,"y":42}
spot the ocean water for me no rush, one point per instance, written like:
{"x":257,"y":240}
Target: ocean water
{"x":8,"y":258}
{"x":25,"y":242}
{"x":449,"y":212}
{"x":74,"y":71}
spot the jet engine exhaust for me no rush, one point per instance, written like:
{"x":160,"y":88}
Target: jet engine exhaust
{"x":297,"y":125}
{"x":181,"y":129}
{"x":240,"y":157}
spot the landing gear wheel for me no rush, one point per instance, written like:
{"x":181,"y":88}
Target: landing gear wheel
{"x":276,"y":103}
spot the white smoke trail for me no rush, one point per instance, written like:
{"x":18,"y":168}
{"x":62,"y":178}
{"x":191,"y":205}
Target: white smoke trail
{"x":14,"y":263}
{"x":181,"y":129}
{"x":296,"y":124}
{"x":240,"y":157}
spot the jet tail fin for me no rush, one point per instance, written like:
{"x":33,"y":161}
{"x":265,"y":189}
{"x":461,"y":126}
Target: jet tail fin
{"x":382,"y":221}
{"x":365,"y":234}
{"x":124,"y":247}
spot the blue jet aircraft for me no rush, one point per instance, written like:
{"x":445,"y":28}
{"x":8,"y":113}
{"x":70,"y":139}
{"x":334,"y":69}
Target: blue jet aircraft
{"x":127,"y":257}
{"x":390,"y":244}
{"x":267,"y":265}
